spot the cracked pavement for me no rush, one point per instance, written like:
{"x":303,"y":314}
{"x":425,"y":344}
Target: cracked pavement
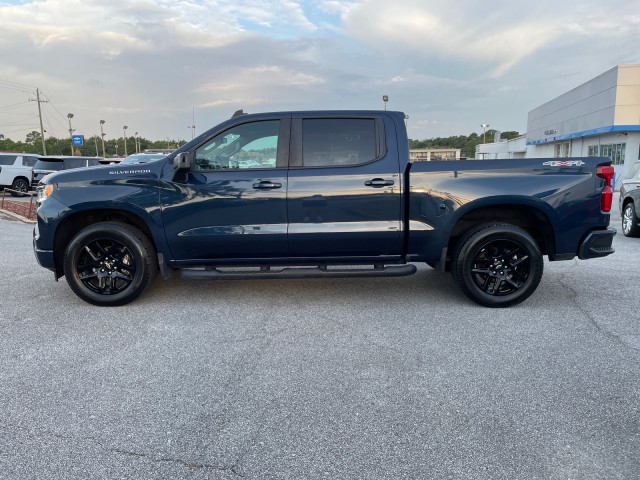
{"x":364,"y":378}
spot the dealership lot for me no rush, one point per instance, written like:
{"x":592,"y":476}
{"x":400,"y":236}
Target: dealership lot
{"x":369,"y":378}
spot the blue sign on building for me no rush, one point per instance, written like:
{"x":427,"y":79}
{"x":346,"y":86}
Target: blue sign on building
{"x":77,"y":140}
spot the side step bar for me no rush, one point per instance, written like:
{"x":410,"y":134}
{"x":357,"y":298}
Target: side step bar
{"x":297,"y":272}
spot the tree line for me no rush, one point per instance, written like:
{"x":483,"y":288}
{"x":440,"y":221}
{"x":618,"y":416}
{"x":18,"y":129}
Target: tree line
{"x":466,"y":144}
{"x":92,"y":147}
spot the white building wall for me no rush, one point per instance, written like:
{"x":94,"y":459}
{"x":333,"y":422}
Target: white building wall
{"x":587,"y":107}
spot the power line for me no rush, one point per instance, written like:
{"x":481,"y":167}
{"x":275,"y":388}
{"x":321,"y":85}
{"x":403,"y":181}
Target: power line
{"x":13,"y":105}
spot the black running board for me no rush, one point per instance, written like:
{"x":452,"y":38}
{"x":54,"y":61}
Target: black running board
{"x":299,"y":272}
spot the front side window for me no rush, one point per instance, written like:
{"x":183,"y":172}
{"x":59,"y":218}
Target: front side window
{"x":7,"y":159}
{"x":338,"y":141}
{"x":246,"y":146}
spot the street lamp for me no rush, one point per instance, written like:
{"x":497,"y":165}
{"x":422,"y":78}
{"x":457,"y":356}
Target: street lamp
{"x":102,"y":136}
{"x":69,"y":117}
{"x":484,"y":132}
{"x":385,"y":99}
{"x":124,"y":134}
{"x":136,"y":142}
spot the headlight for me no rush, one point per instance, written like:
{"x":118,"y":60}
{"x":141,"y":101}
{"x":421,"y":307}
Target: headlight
{"x":43,"y":192}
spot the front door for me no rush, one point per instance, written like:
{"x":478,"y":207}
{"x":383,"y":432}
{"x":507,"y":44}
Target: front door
{"x":232,"y":203}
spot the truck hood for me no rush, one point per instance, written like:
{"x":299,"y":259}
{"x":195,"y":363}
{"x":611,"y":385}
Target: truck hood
{"x":107,"y":173}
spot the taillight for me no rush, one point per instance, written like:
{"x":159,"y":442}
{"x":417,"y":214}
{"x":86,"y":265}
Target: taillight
{"x":606,"y":197}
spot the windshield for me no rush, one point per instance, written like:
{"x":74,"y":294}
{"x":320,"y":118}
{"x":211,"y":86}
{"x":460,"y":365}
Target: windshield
{"x":143,"y":158}
{"x":51,"y":165}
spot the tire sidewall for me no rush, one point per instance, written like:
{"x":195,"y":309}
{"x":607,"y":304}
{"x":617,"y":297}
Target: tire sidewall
{"x":106,"y":231}
{"x":471,"y":247}
{"x":633,"y":230}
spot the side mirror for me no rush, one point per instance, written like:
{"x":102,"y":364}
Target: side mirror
{"x":182,"y":161}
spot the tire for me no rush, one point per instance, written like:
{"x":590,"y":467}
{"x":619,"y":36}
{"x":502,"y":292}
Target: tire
{"x":498,"y":265}
{"x":109,"y":264}
{"x":630,"y":221}
{"x":21,"y":185}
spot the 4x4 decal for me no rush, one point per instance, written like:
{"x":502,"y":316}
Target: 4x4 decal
{"x":564,"y":163}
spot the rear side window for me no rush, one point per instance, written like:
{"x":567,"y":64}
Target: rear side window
{"x":338,"y":141}
{"x":29,"y":161}
{"x":7,"y":159}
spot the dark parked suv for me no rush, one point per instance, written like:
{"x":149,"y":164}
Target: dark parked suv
{"x":50,"y":164}
{"x":630,"y":202}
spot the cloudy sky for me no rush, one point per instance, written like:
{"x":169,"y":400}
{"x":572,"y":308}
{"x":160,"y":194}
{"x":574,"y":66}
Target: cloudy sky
{"x":449,"y":64}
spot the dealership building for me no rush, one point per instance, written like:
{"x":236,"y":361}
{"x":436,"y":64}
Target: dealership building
{"x":599,"y":118}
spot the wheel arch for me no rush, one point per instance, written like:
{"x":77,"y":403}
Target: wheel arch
{"x":75,"y":222}
{"x":626,"y":201}
{"x":531,"y":218}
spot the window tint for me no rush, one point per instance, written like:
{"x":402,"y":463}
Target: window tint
{"x":7,"y":159}
{"x":333,"y":141}
{"x":251,"y":145}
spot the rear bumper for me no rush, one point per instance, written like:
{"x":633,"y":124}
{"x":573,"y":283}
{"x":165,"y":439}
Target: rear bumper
{"x":597,"y":244}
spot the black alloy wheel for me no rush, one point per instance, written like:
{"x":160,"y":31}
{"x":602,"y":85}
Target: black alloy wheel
{"x":498,"y":265}
{"x":630,"y":221}
{"x":109,"y":263}
{"x":21,"y":186}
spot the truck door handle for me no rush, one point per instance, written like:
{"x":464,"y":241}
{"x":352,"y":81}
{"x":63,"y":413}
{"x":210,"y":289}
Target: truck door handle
{"x":266,"y":185}
{"x":378,"y":182}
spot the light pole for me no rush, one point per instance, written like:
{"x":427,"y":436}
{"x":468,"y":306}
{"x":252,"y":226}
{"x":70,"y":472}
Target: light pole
{"x":69,"y":117}
{"x":385,"y":99}
{"x":136,"y":142}
{"x":484,"y":132}
{"x":102,"y":136}
{"x":124,"y":134}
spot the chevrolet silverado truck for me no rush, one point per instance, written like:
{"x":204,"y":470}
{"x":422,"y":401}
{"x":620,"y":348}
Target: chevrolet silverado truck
{"x":324,"y":194}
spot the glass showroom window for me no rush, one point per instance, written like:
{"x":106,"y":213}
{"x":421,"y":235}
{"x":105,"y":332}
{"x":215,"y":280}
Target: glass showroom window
{"x":614,"y":151}
{"x":563,"y":150}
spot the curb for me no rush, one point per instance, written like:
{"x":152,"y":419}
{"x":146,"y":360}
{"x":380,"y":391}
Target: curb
{"x":15,"y":216}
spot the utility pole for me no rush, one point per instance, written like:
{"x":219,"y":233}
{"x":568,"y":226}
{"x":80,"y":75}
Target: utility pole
{"x":70,"y":116}
{"x":102,"y":136}
{"x":44,"y":146}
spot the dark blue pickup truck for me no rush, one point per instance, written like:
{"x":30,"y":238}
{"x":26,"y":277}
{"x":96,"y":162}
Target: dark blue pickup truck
{"x":329,"y":194}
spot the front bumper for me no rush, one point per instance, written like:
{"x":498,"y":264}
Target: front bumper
{"x":45,"y":258}
{"x":597,"y":244}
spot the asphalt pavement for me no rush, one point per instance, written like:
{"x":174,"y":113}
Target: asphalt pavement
{"x":350,"y":378}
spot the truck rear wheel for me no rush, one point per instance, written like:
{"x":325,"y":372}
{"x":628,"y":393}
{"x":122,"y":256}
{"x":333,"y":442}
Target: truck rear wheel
{"x":109,"y":263}
{"x":498,"y":265}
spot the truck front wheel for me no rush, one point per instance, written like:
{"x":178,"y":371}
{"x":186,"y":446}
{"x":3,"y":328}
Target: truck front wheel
{"x":109,"y":263}
{"x":497,"y":265}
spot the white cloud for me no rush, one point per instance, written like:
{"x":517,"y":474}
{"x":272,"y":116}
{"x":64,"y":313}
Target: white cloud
{"x":499,"y":35}
{"x":450,"y":65}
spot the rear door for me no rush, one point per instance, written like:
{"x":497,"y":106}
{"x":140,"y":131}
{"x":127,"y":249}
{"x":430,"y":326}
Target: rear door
{"x":344,"y":187}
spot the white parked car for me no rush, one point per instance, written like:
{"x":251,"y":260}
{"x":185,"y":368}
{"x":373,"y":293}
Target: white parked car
{"x":16,"y":171}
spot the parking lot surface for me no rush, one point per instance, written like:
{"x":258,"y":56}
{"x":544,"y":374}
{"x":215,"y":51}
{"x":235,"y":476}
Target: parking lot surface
{"x":364,"y":378}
